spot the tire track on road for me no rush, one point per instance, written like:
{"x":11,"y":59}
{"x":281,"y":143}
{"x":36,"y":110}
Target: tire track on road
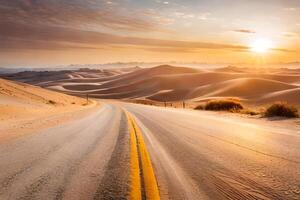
{"x":115,"y":183}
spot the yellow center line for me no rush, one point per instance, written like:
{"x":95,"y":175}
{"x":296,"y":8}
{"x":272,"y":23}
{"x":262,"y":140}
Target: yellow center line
{"x":138,"y":148}
{"x":135,"y":179}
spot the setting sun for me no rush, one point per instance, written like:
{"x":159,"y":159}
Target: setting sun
{"x":261,"y":45}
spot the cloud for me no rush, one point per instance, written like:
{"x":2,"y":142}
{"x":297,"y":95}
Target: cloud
{"x":290,"y":9}
{"x":64,"y":24}
{"x":285,"y":50}
{"x":32,"y":36}
{"x":290,"y":34}
{"x":204,"y":16}
{"x":244,"y":31}
{"x":180,"y":50}
{"x":79,"y":14}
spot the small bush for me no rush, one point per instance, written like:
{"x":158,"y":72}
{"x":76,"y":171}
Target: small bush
{"x":281,"y":110}
{"x":199,"y":107}
{"x":51,"y":102}
{"x":226,"y":105}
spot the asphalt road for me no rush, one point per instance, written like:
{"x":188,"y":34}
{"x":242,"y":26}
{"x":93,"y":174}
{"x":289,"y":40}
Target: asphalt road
{"x":84,"y":159}
{"x":206,"y":155}
{"x":195,"y":155}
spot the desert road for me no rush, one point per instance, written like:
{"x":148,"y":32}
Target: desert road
{"x":194,"y":155}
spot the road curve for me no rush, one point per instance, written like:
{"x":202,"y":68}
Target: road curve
{"x":202,"y":155}
{"x":194,"y":154}
{"x":84,"y":159}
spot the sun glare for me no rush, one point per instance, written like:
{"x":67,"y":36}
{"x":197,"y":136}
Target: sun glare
{"x":261,"y":45}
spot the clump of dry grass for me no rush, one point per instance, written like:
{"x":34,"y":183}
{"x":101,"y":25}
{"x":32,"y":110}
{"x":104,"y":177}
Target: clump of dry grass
{"x":281,"y":109}
{"x":222,"y":105}
{"x":51,"y":102}
{"x":200,"y":107}
{"x":250,"y":112}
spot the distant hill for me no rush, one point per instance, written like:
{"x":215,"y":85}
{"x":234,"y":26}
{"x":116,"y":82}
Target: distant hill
{"x":171,"y":83}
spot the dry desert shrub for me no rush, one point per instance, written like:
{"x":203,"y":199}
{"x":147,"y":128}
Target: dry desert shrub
{"x":221,"y":105}
{"x":281,"y":109}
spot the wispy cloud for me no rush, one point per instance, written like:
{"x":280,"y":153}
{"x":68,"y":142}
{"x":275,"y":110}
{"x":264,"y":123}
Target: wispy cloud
{"x":290,"y":9}
{"x":285,"y":50}
{"x":290,"y":34}
{"x":75,"y":14}
{"x":161,"y":26}
{"x":244,"y":31}
{"x":63,"y":37}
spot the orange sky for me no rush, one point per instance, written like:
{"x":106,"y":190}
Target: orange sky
{"x":40,"y":32}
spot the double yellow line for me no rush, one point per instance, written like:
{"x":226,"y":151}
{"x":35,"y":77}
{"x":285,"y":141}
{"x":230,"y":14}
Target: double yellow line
{"x":143,"y":181}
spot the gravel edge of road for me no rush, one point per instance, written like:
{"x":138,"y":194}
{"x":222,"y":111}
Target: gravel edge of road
{"x":117,"y":171}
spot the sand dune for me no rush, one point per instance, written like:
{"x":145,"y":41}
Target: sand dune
{"x":147,"y":73}
{"x":169,"y":83}
{"x":32,"y":95}
{"x":259,"y":69}
{"x":291,"y":96}
{"x":245,"y":88}
{"x":24,"y":108}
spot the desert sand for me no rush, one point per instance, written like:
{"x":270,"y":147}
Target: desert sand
{"x":72,"y":150}
{"x":26,"y":109}
{"x":170,"y":83}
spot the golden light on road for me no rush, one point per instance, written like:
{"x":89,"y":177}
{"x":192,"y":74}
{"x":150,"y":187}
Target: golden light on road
{"x":261,"y":45}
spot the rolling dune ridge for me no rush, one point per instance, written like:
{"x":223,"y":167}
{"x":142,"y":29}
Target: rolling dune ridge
{"x":170,"y":83}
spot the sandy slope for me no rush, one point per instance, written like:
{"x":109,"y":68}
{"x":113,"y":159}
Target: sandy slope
{"x":244,"y":88}
{"x":25,"y":108}
{"x":292,"y":96}
{"x":169,"y":83}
